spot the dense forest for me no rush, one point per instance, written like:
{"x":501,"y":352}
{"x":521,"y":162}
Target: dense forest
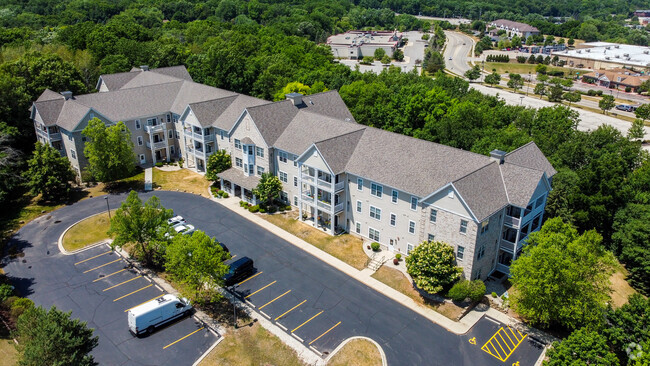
{"x":258,"y":47}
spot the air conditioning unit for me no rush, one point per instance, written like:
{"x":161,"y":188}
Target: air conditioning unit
{"x":626,"y":55}
{"x":608,"y":48}
{"x":646,"y":51}
{"x":617,"y":46}
{"x":588,"y":50}
{"x":607,"y":58}
{"x":579,"y":51}
{"x":617,"y":56}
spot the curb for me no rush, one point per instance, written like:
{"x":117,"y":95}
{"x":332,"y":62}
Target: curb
{"x":207,"y":352}
{"x":60,"y":241}
{"x":384,"y":361}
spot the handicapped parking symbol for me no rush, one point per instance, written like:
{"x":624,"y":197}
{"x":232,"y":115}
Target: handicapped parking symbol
{"x":473,"y":341}
{"x":516,"y":363}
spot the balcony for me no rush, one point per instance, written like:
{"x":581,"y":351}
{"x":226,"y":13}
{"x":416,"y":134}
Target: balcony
{"x":324,"y":205}
{"x":503,"y":268}
{"x":55,"y":136}
{"x":154,"y":129}
{"x":507,"y":246}
{"x":307,"y":198}
{"x":340,"y":207}
{"x":199,"y":153}
{"x":339,"y":186}
{"x":157,"y":145}
{"x":324,"y":184}
{"x":197,"y":135}
{"x":307,"y":178}
{"x":512,"y":221}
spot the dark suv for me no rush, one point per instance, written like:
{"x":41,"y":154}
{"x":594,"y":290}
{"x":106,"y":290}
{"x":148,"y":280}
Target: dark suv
{"x":239,"y":270}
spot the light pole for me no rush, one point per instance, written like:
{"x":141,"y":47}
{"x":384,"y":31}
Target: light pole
{"x":521,"y":100}
{"x":528,"y":86}
{"x":108,"y":209}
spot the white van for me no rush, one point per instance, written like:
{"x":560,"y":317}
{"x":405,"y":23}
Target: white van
{"x":146,"y":317}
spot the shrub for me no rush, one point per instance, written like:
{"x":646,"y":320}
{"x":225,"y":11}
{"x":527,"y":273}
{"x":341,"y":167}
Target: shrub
{"x":225,"y":195}
{"x":398,"y":256}
{"x":19,"y":306}
{"x":253,"y":209}
{"x":375,"y":246}
{"x":180,"y":162}
{"x":474,"y":290}
{"x":494,"y":294}
{"x":242,"y":203}
{"x":159,"y":164}
{"x":287,"y":208}
{"x":591,"y":92}
{"x":6,"y":291}
{"x":628,"y":89}
{"x":262,"y":210}
{"x":272,"y":209}
{"x":281,"y":208}
{"x":599,"y":93}
{"x":220,"y":192}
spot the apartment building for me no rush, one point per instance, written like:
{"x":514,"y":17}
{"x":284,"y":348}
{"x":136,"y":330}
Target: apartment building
{"x":512,"y":28}
{"x":341,"y":176}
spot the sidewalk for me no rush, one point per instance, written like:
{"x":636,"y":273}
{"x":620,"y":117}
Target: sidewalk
{"x":148,"y":179}
{"x":364,"y":276}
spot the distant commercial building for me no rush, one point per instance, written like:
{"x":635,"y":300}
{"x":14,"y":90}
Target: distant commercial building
{"x":604,"y":55}
{"x":522,"y":30}
{"x":620,"y":79}
{"x":357,"y":44}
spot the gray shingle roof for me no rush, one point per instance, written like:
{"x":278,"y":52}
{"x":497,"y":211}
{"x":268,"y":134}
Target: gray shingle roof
{"x":329,"y":104}
{"x":229,"y":116}
{"x":531,"y":156}
{"x":179,"y":72}
{"x":116,"y":81}
{"x":49,"y":110}
{"x":483,"y":190}
{"x":236,"y":175}
{"x":206,"y":112}
{"x":154,"y":76}
{"x":71,"y":113}
{"x":49,"y":95}
{"x":338,"y":150}
{"x":191,"y":92}
{"x":520,"y":183}
{"x":147,"y":78}
{"x":272,"y":119}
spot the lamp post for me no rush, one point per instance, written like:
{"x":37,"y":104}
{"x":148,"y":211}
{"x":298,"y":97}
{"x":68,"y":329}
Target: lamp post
{"x":521,"y":100}
{"x":108,"y":208}
{"x":528,"y":86}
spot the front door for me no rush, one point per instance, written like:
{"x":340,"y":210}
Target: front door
{"x":391,"y":245}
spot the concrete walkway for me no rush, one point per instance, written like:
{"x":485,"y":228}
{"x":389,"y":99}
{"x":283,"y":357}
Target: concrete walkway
{"x":364,"y":276}
{"x":148,"y":179}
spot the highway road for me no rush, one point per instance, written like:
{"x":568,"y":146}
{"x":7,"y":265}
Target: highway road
{"x":457,"y":52}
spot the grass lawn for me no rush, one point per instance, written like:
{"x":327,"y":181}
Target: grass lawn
{"x":395,"y":279}
{"x":251,"y":345}
{"x":87,"y":232}
{"x":344,"y":247}
{"x":358,"y":352}
{"x":8,"y":353}
{"x":517,"y":68}
{"x":183,"y":180}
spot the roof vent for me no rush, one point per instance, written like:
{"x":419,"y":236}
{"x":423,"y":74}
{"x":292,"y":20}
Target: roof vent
{"x":67,"y":94}
{"x":144,"y":67}
{"x":295,"y":98}
{"x":498,"y":155}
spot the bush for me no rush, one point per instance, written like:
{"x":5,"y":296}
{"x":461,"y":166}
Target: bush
{"x":628,"y":89}
{"x":474,"y":290}
{"x":272,"y":209}
{"x":521,"y":59}
{"x":225,"y":195}
{"x":287,"y":208}
{"x":494,"y":294}
{"x":19,"y":306}
{"x":253,"y":209}
{"x":6,"y":291}
{"x":398,"y":256}
{"x":180,"y":162}
{"x":262,"y":210}
{"x":159,"y":164}
{"x":591,"y":92}
{"x":599,"y":93}
{"x":242,"y":203}
{"x":220,"y":192}
{"x":367,"y":60}
{"x":374,"y":246}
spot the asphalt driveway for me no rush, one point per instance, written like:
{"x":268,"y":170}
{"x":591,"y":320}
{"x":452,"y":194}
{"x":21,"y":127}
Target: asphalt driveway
{"x":315,"y":303}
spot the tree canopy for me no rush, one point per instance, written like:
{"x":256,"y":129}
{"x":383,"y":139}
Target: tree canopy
{"x":49,"y":174}
{"x":268,"y":188}
{"x":109,"y":150}
{"x":432,"y":265}
{"x":217,"y":163}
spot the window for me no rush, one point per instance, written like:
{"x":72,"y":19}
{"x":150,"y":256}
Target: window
{"x":245,"y":168}
{"x":358,"y":228}
{"x":478,"y":274}
{"x":169,"y":118}
{"x":295,"y":200}
{"x":178,"y":135}
{"x":393,"y":219}
{"x":460,"y":252}
{"x":463,"y":226}
{"x":528,"y":209}
{"x":485,"y":226}
{"x":237,"y":144}
{"x":282,"y":156}
{"x":248,"y":148}
{"x":171,"y":150}
{"x":411,"y":227}
{"x":170,"y":135}
{"x":137,"y":124}
{"x":536,"y":222}
{"x":151,"y":122}
{"x":539,"y":202}
{"x":238,"y":162}
{"x":73,"y":154}
{"x":284,"y":197}
{"x":295,"y":162}
{"x":250,"y":169}
{"x":431,"y":237}
{"x":360,"y":184}
{"x":409,"y":248}
{"x":358,"y":206}
{"x":375,"y":213}
{"x":394,"y":196}
{"x":480,"y":253}
{"x":433,"y":216}
{"x":376,"y":190}
{"x":260,"y":170}
{"x":295,"y":181}
{"x":142,"y":159}
{"x":259,"y":151}
{"x":373,"y":234}
{"x":283,"y":177}
{"x":414,"y":203}
{"x":222,"y":133}
{"x":139,"y":140}
{"x":70,"y":137}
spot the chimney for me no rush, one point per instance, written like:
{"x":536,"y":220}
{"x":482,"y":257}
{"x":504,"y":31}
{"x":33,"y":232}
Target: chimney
{"x":498,"y":155}
{"x":295,"y":98}
{"x":67,"y":94}
{"x":144,"y":67}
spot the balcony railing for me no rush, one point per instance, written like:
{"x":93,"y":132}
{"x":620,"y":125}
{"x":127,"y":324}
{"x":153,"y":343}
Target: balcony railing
{"x":199,"y":153}
{"x":307,"y":199}
{"x":512,"y":221}
{"x":324,"y":205}
{"x":339,"y":186}
{"x":55,"y":136}
{"x":157,"y":145}
{"x":154,"y":129}
{"x":338,"y":208}
{"x":507,"y":245}
{"x":503,"y":268}
{"x":197,"y":135}
{"x":307,"y":178}
{"x":324,"y":184}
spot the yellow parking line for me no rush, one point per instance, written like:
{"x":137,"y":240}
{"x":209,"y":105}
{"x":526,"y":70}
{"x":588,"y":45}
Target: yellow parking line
{"x":99,"y":255}
{"x":260,"y":308}
{"x":250,"y":278}
{"x":260,"y":289}
{"x":327,"y":331}
{"x":178,"y":340}
{"x":287,"y":312}
{"x":131,"y":293}
{"x":505,"y":342}
{"x":109,"y":275}
{"x":307,"y":321}
{"x":144,"y":302}
{"x":121,"y":283}
{"x":507,"y":335}
{"x":496,"y":350}
{"x":106,"y":264}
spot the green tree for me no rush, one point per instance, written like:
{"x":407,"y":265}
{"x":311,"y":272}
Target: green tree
{"x":268,"y":188}
{"x":637,"y":130}
{"x":630,"y":239}
{"x":572,"y":97}
{"x":398,"y":55}
{"x":432,"y":264}
{"x":571,"y":42}
{"x":541,"y":69}
{"x":562,"y":278}
{"x":628,"y":325}
{"x":435,"y":62}
{"x":53,"y":338}
{"x":493,"y":78}
{"x":473,"y":73}
{"x":530,"y":41}
{"x":379,"y":53}
{"x":292,"y":87}
{"x":217,"y":163}
{"x":606,"y":103}
{"x":515,"y":82}
{"x":109,"y":150}
{"x":197,"y":261}
{"x":49,"y":173}
{"x":144,"y":226}
{"x":540,"y":89}
{"x":385,"y":60}
{"x":643,"y":111}
{"x":515,"y":41}
{"x":10,"y":163}
{"x":555,"y":93}
{"x":582,"y":347}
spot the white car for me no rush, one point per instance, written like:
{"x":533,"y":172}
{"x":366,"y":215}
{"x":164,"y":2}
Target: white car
{"x":182,"y":228}
{"x":176,"y":220}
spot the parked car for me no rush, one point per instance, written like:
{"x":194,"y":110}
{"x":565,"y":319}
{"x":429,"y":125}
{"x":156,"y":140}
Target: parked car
{"x":239,"y":270}
{"x":625,"y":107}
{"x":146,"y":317}
{"x":176,"y":220}
{"x":449,"y":58}
{"x":223,"y":246}
{"x":184,"y":228}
